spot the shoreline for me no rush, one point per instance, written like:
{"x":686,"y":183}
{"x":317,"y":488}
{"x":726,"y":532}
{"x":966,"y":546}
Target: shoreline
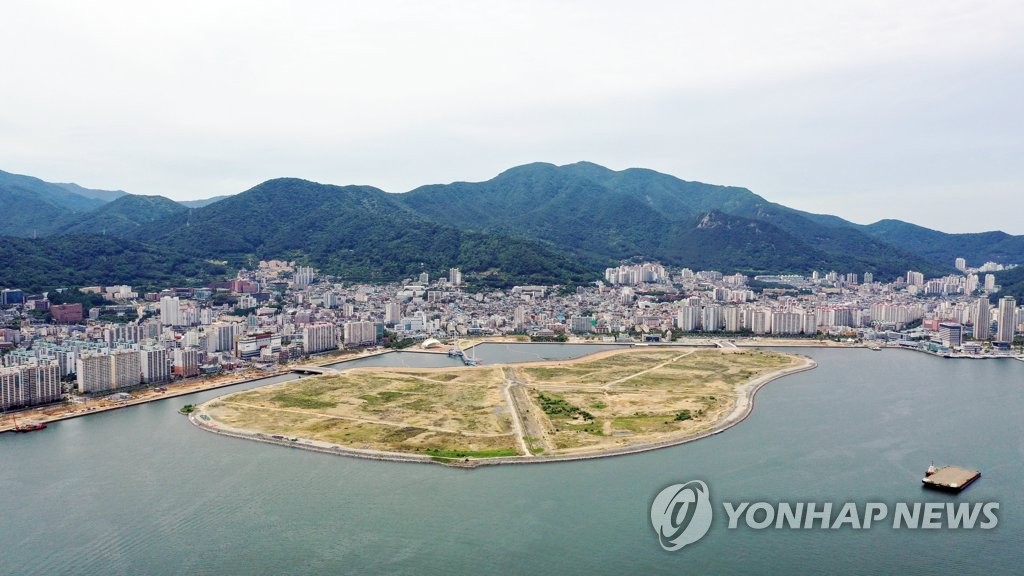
{"x":743,"y":407}
{"x":957,"y":355}
{"x":740,"y":344}
{"x":194,"y":388}
{"x":171,"y":393}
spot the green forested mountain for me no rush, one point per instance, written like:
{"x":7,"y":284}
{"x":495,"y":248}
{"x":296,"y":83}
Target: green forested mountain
{"x":86,"y":260}
{"x":667,"y":194}
{"x":891,"y":241}
{"x":596,"y":212}
{"x":202,"y":202}
{"x":719,"y":241}
{"x":537,"y":223}
{"x":943,"y":248}
{"x":54,"y":194}
{"x":26,"y":214}
{"x":358,"y":232}
{"x":102,"y":195}
{"x":1011,"y":283}
{"x":31,"y":207}
{"x":128,"y":215}
{"x":848,"y":249}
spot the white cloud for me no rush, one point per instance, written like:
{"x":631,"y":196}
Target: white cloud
{"x":820,"y":105}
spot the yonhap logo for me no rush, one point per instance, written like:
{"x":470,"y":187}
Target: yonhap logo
{"x":681,"y":514}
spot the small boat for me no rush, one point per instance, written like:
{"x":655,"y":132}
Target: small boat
{"x":30,"y":427}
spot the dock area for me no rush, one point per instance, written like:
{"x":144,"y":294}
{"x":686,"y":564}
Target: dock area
{"x":950,"y":478}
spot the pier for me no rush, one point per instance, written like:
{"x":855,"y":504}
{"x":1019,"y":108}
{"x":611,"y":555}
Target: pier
{"x":457,"y":352}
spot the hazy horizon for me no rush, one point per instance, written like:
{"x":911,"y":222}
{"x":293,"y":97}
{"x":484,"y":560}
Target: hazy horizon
{"x":863,"y":110}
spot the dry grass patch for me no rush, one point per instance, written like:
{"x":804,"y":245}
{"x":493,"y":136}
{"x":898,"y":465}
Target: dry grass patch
{"x":612,"y":400}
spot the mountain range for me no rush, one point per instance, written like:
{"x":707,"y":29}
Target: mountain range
{"x":32,"y":208}
{"x":537,"y":223}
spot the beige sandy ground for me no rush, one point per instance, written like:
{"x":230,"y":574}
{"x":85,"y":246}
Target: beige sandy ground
{"x":619,"y":401}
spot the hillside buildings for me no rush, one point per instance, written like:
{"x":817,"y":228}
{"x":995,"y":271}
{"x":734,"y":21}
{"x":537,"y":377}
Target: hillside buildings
{"x":636,"y":274}
{"x":455,"y":277}
{"x":319,"y":338}
{"x":66,"y":313}
{"x":155,"y":365}
{"x":221,"y":336}
{"x":100,"y":372}
{"x":304,"y":276}
{"x":280,"y":312}
{"x":982,"y":319}
{"x":11,"y":297}
{"x":359,"y":333}
{"x":261,"y":345}
{"x":30,"y":385}
{"x":1007,"y":320}
{"x":186,"y":362}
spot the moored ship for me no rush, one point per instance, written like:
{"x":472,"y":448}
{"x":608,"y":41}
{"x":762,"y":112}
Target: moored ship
{"x":30,"y":427}
{"x":949,"y":478}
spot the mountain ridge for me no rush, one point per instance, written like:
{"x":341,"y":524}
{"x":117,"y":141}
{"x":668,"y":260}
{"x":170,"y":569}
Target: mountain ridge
{"x":943,"y":247}
{"x":31,"y":205}
{"x":121,"y":217}
{"x":202,"y":201}
{"x":355,"y":231}
{"x":541,"y":202}
{"x":91,"y":259}
{"x":535,"y":223}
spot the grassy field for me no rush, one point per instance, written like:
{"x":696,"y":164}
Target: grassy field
{"x":634,"y":397}
{"x":393,"y":410}
{"x":609,"y":400}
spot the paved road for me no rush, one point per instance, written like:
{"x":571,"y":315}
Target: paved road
{"x":642,"y":372}
{"x":517,"y":423}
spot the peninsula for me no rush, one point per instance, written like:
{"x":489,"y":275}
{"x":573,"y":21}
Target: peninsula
{"x":611,"y":402}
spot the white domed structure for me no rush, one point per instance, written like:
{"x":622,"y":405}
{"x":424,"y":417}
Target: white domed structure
{"x":430,"y":343}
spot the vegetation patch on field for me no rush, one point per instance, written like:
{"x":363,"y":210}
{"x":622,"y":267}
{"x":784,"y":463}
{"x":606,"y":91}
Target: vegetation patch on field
{"x":556,"y":406}
{"x":615,"y":399}
{"x":289,"y":400}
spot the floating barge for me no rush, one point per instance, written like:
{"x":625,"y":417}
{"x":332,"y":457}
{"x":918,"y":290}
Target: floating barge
{"x":30,"y":427}
{"x":949,"y":478}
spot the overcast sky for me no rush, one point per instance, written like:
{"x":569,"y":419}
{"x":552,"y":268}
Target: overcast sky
{"x":866,"y":109}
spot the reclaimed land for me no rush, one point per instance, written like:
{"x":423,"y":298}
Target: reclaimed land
{"x":609,"y":403}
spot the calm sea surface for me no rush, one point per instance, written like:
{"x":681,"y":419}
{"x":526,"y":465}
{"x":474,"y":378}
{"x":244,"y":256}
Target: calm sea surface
{"x":141,"y":491}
